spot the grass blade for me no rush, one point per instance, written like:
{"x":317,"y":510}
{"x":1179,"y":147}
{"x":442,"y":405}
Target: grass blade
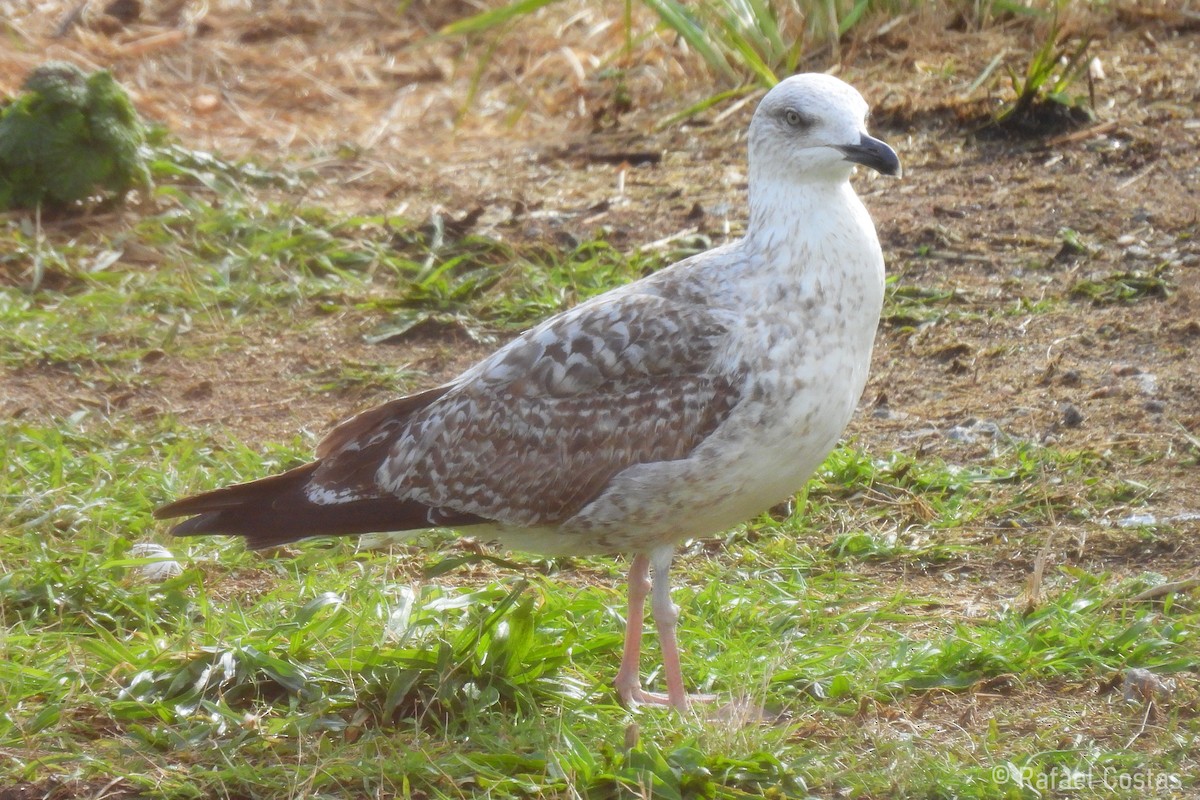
{"x":677,"y":18}
{"x":487,"y":20}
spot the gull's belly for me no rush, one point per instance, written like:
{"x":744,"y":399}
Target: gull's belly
{"x":799,"y":400}
{"x":771,"y":446}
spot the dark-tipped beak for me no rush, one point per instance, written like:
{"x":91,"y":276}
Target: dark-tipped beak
{"x":870,"y":152}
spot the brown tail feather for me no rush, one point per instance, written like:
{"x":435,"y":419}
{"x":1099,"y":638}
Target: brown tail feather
{"x":277,"y":510}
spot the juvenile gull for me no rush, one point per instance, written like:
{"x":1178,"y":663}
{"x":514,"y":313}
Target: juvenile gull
{"x":670,"y":408}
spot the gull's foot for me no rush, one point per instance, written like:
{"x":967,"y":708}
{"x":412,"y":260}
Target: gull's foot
{"x":740,"y":712}
{"x":634,"y":696}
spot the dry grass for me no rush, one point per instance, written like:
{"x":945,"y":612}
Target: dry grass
{"x":301,"y":76}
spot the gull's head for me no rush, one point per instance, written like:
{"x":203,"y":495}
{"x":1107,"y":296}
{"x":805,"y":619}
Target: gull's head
{"x":812,"y":128}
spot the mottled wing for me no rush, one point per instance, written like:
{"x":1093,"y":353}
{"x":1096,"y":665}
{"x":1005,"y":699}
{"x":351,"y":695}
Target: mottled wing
{"x":535,"y":432}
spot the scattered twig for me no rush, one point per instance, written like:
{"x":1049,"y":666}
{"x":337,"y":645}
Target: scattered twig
{"x":1086,"y":133}
{"x":1134,"y":179}
{"x":1156,"y":592}
{"x":1033,"y":588}
{"x":149,"y":44}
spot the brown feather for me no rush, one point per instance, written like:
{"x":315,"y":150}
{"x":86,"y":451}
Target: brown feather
{"x":278,"y":510}
{"x":360,"y":425}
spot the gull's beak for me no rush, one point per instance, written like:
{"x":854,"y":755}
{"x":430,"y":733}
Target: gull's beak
{"x":871,"y":152}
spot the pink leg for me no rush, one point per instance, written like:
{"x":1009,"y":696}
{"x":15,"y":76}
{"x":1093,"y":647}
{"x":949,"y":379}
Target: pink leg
{"x":628,"y":682}
{"x":666,"y":615}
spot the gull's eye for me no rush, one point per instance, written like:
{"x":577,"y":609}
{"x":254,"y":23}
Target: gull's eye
{"x":792,"y":117}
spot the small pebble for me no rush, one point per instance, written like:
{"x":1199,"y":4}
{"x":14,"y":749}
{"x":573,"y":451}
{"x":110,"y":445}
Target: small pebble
{"x":1072,"y":417}
{"x":1143,"y":686}
{"x":959,"y":434}
{"x":205,"y":103}
{"x":1147,"y":383}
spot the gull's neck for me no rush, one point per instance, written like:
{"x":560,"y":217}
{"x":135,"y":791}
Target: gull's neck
{"x":784,"y":207}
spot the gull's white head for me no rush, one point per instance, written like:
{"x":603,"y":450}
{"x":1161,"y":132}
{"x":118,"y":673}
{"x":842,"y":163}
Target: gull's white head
{"x":813,"y":128}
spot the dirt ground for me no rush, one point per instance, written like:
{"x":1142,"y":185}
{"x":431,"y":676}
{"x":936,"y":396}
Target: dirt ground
{"x":1000,"y":350}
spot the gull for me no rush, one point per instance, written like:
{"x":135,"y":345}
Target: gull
{"x":674,"y":407}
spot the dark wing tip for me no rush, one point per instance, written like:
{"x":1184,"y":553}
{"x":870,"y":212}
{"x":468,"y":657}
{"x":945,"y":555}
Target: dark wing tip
{"x":240,"y":495}
{"x":278,"y":510}
{"x":196,"y":526}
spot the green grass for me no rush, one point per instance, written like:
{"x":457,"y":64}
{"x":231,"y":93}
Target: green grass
{"x":742,"y":42}
{"x":909,"y":307}
{"x":1125,"y":286}
{"x":746,"y":45}
{"x":1054,"y":66}
{"x":238,"y":257}
{"x":881,"y":625}
{"x":370,"y":677}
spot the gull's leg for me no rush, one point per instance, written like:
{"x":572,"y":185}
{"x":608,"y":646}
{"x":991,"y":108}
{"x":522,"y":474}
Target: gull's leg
{"x":666,"y":615}
{"x":628,"y":683}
